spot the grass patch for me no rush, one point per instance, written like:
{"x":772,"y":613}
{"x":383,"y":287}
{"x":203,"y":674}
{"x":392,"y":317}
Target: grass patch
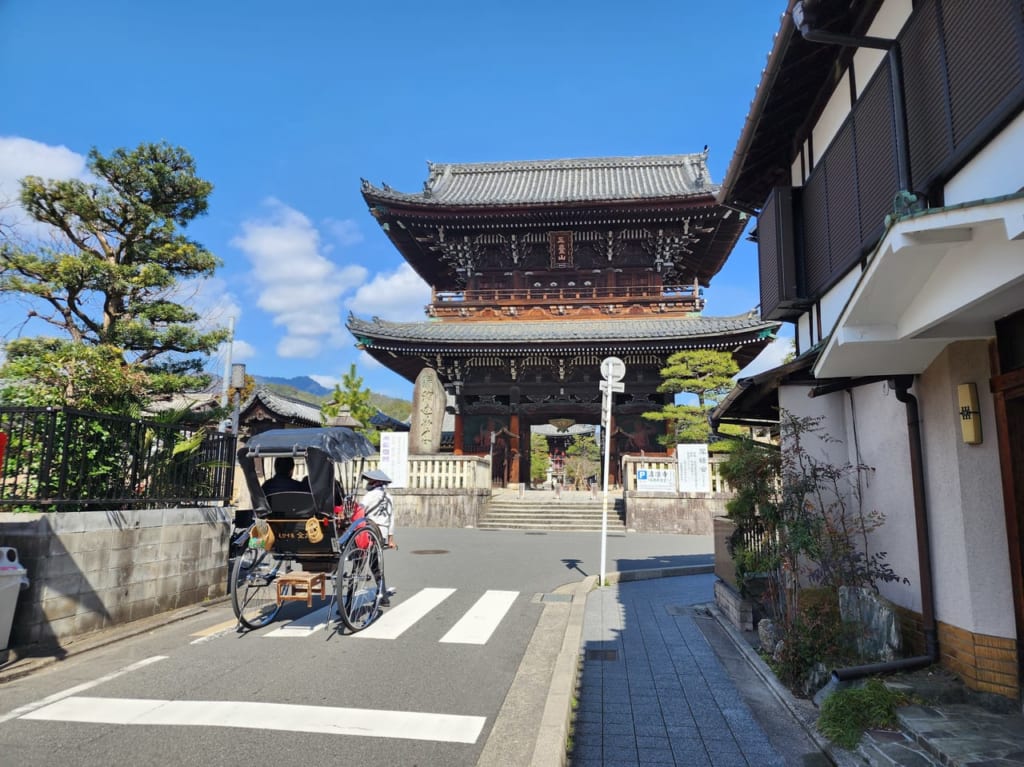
{"x":847,"y":714}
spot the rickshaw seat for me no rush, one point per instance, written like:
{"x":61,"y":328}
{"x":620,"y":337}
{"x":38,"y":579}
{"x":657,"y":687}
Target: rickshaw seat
{"x":292,"y":504}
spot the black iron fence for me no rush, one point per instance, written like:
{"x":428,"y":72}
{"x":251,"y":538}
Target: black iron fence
{"x":61,"y":459}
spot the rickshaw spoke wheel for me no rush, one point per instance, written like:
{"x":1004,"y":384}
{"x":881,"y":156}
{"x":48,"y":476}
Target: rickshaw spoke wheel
{"x":254,"y":588}
{"x":360,"y":578}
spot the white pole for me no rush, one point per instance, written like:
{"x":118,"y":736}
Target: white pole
{"x":606,"y":417}
{"x":226,"y":382}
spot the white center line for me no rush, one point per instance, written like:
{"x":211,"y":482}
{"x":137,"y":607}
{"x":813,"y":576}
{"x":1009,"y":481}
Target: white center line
{"x":329,"y":720}
{"x":477,"y":625}
{"x":28,"y":707}
{"x":397,"y":619}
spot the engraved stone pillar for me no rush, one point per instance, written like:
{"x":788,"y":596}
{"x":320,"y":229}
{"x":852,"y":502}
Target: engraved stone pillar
{"x":428,"y":401}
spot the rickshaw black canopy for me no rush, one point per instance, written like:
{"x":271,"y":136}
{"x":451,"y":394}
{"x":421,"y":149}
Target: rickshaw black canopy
{"x":321,"y":449}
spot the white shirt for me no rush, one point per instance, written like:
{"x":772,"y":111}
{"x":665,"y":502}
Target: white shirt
{"x":381,"y":509}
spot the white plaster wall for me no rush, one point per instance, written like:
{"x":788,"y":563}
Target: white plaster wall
{"x":964,"y":496}
{"x":880,"y":442}
{"x":886,"y":24}
{"x":991,"y":173}
{"x":803,"y":333}
{"x":836,"y":111}
{"x":833,"y":303}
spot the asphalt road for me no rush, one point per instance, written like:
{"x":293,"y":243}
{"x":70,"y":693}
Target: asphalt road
{"x":199,"y":692}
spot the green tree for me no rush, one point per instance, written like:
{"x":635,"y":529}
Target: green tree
{"x":351,"y":394}
{"x":113,"y":273}
{"x":52,"y":372}
{"x":705,"y":375}
{"x":540,"y":458}
{"x":582,"y":458}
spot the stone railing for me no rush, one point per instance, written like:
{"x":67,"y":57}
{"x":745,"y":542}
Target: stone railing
{"x":445,"y":472}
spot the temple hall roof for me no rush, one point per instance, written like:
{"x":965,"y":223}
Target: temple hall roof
{"x":544,"y":182}
{"x":589,"y":331}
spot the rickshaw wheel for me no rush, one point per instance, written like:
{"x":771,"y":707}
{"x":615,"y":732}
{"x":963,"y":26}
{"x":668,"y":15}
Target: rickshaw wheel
{"x":254,"y":588}
{"x":360,"y":577}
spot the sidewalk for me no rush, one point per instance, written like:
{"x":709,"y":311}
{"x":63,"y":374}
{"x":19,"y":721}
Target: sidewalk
{"x":653,"y":691}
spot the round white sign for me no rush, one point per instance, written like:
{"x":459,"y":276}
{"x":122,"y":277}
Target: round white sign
{"x":613,"y":368}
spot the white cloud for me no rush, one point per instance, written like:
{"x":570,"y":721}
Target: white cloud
{"x":345,"y":231}
{"x":328,"y":382}
{"x":241,"y":351}
{"x":399,"y":296}
{"x":20,"y":157}
{"x":773,"y":355}
{"x":297,"y":285}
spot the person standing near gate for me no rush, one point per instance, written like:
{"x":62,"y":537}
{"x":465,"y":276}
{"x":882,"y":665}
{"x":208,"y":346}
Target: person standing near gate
{"x":378,"y":506}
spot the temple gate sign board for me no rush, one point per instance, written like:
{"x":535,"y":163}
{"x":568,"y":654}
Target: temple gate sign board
{"x":539,"y":270}
{"x":428,"y":403}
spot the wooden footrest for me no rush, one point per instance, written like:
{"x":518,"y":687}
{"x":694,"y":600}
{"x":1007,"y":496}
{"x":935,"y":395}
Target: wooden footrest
{"x":304,"y":587}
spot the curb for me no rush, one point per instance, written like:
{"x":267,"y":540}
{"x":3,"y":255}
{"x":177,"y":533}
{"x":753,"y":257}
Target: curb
{"x":837,"y":756}
{"x":550,"y":746}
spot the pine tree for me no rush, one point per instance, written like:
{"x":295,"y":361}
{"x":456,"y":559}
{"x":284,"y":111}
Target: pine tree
{"x":111,"y":277}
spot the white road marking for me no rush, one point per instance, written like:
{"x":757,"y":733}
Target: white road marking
{"x":477,"y":625}
{"x":29,"y":707}
{"x":329,"y":720}
{"x":305,"y":626}
{"x":399,"y":618}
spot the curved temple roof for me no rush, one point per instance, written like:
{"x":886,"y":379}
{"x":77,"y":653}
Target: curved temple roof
{"x":630,"y":329}
{"x":545,"y":182}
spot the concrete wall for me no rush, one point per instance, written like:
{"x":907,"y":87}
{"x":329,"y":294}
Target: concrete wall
{"x":94,"y":569}
{"x":685,"y":513}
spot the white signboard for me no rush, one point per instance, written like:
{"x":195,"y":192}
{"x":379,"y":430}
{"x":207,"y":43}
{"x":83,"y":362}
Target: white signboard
{"x":394,"y":456}
{"x":655,"y":480}
{"x":694,"y":471}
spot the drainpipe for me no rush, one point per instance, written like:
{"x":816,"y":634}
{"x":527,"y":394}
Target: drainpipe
{"x":804,"y":23}
{"x":900,"y":386}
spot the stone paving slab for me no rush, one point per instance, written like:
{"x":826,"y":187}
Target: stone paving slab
{"x":651,"y":689}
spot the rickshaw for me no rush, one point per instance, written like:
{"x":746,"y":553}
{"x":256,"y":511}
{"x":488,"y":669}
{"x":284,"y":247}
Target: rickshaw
{"x":293,"y":541}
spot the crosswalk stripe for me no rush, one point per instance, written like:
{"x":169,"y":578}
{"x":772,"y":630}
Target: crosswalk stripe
{"x":303,"y":627}
{"x":330,"y":720}
{"x":477,"y":625}
{"x":399,"y":618}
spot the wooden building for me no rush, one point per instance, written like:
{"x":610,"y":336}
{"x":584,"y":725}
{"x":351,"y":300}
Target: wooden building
{"x":539,"y":270}
{"x":882,"y":156}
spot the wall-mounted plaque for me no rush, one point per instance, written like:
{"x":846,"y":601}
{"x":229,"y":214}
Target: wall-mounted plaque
{"x":561,"y":249}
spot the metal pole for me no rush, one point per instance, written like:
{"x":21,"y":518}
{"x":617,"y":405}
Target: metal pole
{"x":606,"y":412}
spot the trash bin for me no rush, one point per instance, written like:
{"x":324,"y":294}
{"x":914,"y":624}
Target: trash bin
{"x":13,"y":578}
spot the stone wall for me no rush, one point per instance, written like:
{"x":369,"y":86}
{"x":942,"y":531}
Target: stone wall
{"x":685,"y":513}
{"x":95,"y":569}
{"x":438,"y":507}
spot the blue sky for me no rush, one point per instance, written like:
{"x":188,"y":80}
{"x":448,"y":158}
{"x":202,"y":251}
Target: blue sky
{"x":286,"y":106}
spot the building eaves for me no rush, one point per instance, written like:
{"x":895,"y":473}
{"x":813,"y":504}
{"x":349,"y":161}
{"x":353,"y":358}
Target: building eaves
{"x":632,"y":329}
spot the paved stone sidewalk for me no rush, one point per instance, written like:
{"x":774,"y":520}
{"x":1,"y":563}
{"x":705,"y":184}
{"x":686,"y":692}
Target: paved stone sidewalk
{"x":652,"y":691}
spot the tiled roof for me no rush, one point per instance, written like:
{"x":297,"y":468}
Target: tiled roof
{"x":285,"y":406}
{"x":558,"y":181}
{"x":627,"y":329}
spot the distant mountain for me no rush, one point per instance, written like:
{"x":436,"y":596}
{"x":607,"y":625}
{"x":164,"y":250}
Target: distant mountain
{"x":305,"y":389}
{"x":301,"y":383}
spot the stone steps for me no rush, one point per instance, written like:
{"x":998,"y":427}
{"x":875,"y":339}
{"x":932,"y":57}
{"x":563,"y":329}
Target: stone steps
{"x":585,"y":516}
